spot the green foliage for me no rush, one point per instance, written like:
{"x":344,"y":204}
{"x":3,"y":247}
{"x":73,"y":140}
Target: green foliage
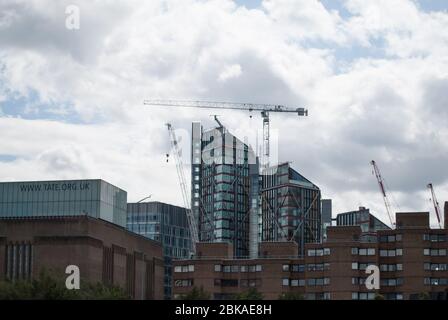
{"x":47,"y":286}
{"x":424,"y":296}
{"x":196,"y":294}
{"x":291,"y":296}
{"x":251,"y":294}
{"x":379,"y":296}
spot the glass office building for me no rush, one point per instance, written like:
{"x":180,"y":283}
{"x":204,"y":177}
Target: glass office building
{"x":165,"y":223}
{"x":95,"y":198}
{"x":291,"y":207}
{"x":363,"y":218}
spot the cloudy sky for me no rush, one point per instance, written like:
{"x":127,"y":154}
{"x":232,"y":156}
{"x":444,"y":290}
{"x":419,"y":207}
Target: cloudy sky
{"x":373,"y":74}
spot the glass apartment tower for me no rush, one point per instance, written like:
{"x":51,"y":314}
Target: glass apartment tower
{"x":291,"y":207}
{"x":164,"y":223}
{"x":221,"y":187}
{"x":95,"y":198}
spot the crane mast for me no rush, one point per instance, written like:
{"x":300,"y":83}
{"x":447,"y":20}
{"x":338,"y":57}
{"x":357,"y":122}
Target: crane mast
{"x":183,"y":185}
{"x":383,"y":190}
{"x":265,"y":110}
{"x":435,"y":203}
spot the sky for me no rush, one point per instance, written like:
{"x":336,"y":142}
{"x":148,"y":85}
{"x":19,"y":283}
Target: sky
{"x":373,"y":75}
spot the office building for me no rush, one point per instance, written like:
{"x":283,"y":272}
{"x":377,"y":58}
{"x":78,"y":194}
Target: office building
{"x":363,"y":218}
{"x":291,"y":207}
{"x":164,"y":223}
{"x":412,"y":260}
{"x":327,"y":211}
{"x":94,"y":198}
{"x":221,"y":187}
{"x":103,"y":251}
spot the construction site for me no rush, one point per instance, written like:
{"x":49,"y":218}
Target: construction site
{"x":259,"y":225}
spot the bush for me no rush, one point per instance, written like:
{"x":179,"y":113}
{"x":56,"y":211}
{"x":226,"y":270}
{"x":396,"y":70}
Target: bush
{"x":251,"y":294}
{"x":49,"y":287}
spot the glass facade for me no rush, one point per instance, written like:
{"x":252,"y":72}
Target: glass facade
{"x":221,"y":187}
{"x":164,"y":223}
{"x":95,"y":198}
{"x":362,"y":218}
{"x":291,"y":207}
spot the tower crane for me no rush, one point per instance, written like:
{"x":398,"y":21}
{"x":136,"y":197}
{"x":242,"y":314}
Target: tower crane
{"x":381,"y":184}
{"x":183,"y":185}
{"x":265,"y":110}
{"x":435,"y":203}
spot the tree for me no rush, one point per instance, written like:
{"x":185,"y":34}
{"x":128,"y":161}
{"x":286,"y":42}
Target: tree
{"x":196,"y":294}
{"x":251,"y":294}
{"x":48,"y":286}
{"x":291,"y":296}
{"x":379,"y":296}
{"x":424,"y":296}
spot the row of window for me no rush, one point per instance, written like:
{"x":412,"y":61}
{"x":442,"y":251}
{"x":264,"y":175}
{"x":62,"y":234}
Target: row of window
{"x":184,"y":283}
{"x":434,"y":237}
{"x":434,"y":252}
{"x":301,"y":282}
{"x":361,"y":266}
{"x":234,"y":283}
{"x":391,"y":267}
{"x":186,"y":268}
{"x":391,"y":238}
{"x":309,"y":267}
{"x":363,"y":251}
{"x":435,"y":266}
{"x":371,"y":296}
{"x":237,"y":268}
{"x":392,"y":282}
{"x":319,"y":252}
{"x":436,"y":281}
{"x":391,"y":253}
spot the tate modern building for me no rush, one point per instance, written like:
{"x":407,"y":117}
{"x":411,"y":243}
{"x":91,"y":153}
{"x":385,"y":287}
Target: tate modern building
{"x":94,"y":198}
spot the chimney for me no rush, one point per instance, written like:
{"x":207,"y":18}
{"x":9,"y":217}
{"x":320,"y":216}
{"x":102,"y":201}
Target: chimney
{"x":445,"y":217}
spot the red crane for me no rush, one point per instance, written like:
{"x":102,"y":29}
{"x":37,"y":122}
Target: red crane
{"x":436,"y":203}
{"x":381,"y":184}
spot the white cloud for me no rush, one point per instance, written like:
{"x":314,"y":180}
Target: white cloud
{"x":230,"y":72}
{"x":389,"y":109}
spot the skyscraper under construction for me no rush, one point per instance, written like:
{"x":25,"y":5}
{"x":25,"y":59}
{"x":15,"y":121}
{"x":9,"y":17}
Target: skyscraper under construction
{"x":291,"y":208}
{"x":233,"y":203}
{"x":221,"y":186}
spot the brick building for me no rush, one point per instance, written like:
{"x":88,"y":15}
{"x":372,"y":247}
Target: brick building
{"x":412,"y":260}
{"x":104,"y":252}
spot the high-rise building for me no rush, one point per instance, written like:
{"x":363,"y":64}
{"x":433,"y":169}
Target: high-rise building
{"x":221,"y":186}
{"x":164,"y":223}
{"x":291,"y":207}
{"x":94,"y":198}
{"x":326,"y":209}
{"x":363,"y":218}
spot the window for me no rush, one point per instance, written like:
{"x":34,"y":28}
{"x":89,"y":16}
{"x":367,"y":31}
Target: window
{"x":434,"y":252}
{"x":371,"y":251}
{"x":327,"y":251}
{"x":217,"y":268}
{"x":243,"y":268}
{"x":258,"y":268}
{"x":285,"y":282}
{"x":297,"y":283}
{"x":285,"y":267}
{"x":178,"y":269}
{"x":354,"y":265}
{"x":355,"y":251}
{"x":235,"y":269}
{"x":191,"y":268}
{"x":183,"y":283}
